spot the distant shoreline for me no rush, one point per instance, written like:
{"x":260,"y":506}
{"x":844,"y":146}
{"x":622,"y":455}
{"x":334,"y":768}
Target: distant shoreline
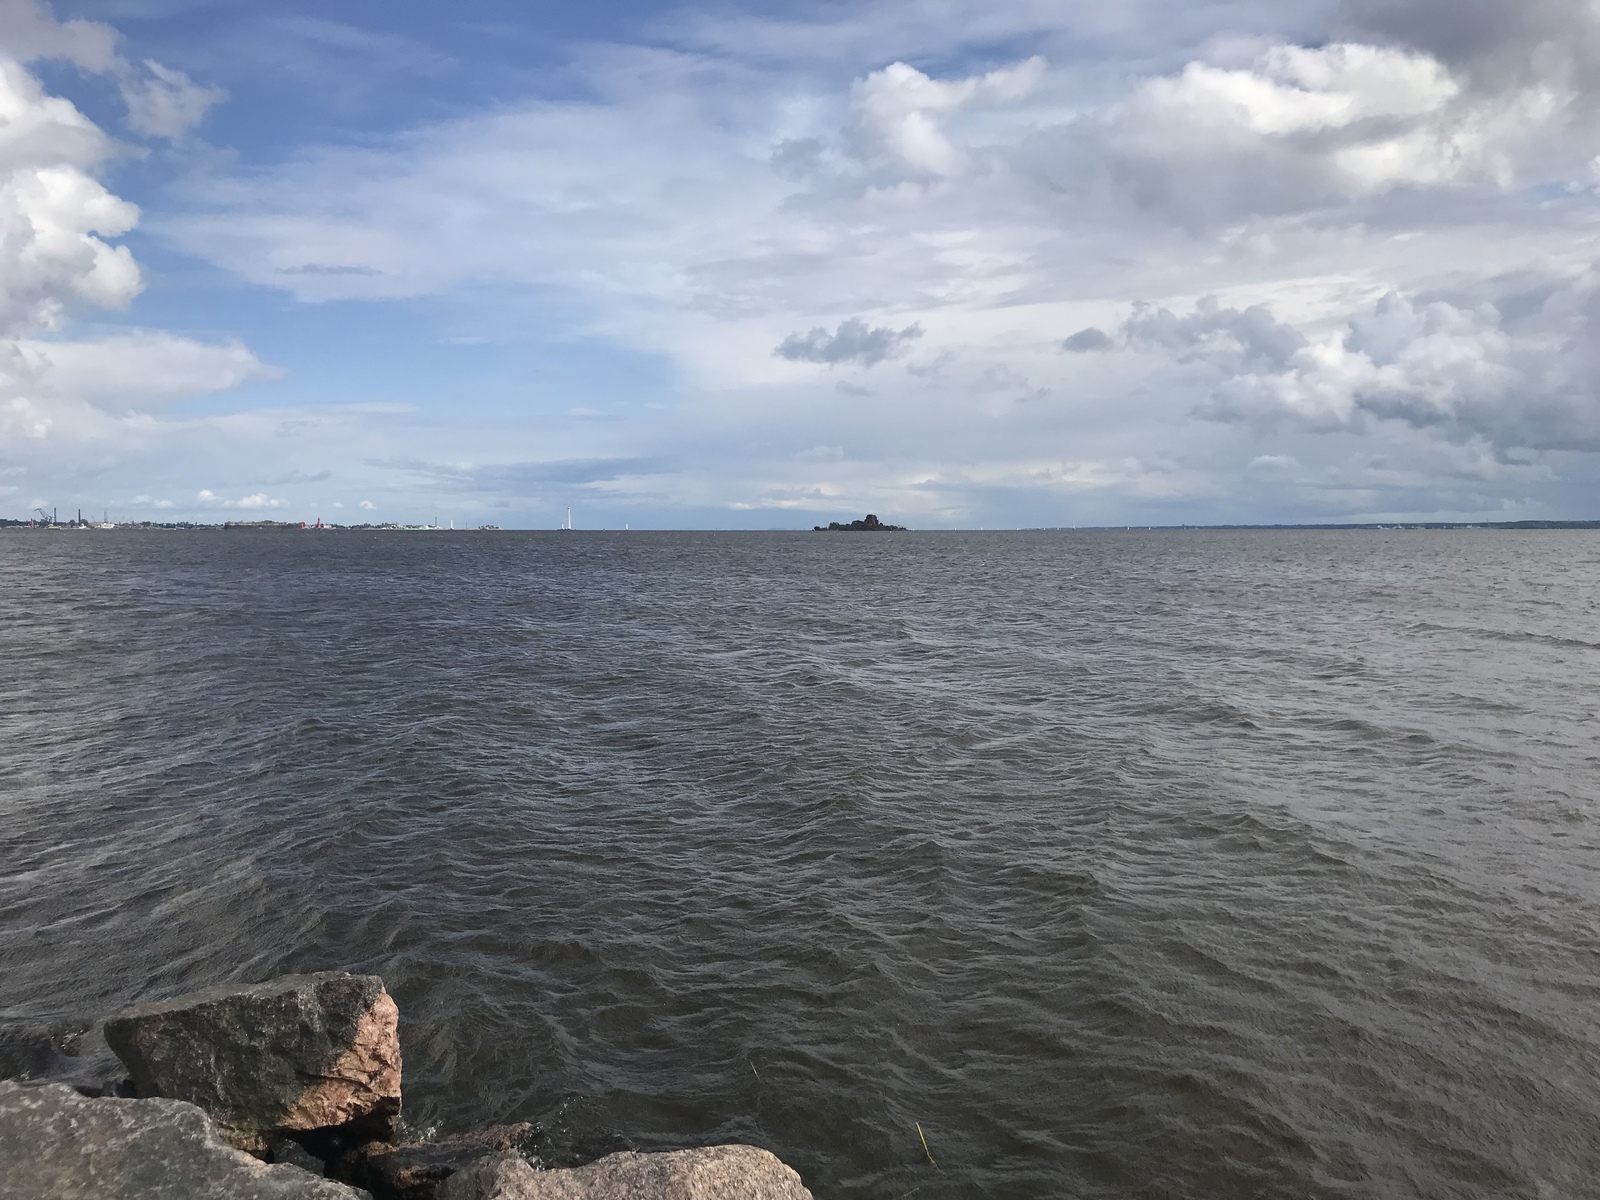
{"x":1372,"y":525}
{"x":235,"y":526}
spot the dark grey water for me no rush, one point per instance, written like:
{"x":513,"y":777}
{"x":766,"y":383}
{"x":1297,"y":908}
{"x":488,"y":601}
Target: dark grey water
{"x":1146,"y":865}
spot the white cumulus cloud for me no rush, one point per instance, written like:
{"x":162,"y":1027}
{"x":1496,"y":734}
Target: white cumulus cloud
{"x":161,"y":101}
{"x":254,"y":500}
{"x":62,"y":394}
{"x":54,"y":216}
{"x":1463,"y":370}
{"x":898,"y":112}
{"x":1303,"y":127}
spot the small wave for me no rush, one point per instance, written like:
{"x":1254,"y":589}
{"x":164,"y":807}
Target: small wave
{"x":1509,"y":635}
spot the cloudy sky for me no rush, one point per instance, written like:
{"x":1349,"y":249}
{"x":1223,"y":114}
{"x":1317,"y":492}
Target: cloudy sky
{"x":762,"y":264}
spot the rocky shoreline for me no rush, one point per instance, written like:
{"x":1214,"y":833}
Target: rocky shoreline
{"x":290,"y":1090}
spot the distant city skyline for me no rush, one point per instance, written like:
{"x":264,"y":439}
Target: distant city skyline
{"x":766,"y":265}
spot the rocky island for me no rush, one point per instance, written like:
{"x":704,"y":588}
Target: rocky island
{"x":868,"y":524}
{"x":290,"y":1090}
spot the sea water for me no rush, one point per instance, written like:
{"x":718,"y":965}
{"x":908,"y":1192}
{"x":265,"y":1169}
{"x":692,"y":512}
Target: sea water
{"x":1097,"y":864}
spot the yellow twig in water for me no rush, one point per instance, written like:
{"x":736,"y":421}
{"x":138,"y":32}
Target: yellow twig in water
{"x":925,"y":1149}
{"x":753,"y":1071}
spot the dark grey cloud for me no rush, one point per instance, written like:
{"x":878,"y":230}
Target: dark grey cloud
{"x":1496,"y":43}
{"x":1087,"y":341}
{"x":853,"y":342}
{"x":1251,"y":338}
{"x":797,"y":158}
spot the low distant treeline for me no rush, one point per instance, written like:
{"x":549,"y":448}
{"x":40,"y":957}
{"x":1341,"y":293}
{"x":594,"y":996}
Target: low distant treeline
{"x":869,"y":525}
{"x":297,"y":526}
{"x":1407,"y":525}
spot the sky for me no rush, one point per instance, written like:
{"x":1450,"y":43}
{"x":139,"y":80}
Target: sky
{"x":959,"y":263}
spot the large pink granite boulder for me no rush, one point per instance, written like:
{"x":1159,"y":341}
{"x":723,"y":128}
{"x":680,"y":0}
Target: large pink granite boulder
{"x":299,"y":1053}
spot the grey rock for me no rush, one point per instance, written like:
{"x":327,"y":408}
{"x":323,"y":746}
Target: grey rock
{"x":414,"y":1170}
{"x":575,"y":1132}
{"x":716,"y":1173}
{"x":302,"y":1052}
{"x":28,"y":1051}
{"x":72,"y":1052}
{"x":58,"y":1145}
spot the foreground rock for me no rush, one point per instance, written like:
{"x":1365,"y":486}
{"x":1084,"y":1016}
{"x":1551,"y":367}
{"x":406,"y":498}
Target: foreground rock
{"x":717,"y":1173}
{"x":58,"y":1145}
{"x":303,"y":1052}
